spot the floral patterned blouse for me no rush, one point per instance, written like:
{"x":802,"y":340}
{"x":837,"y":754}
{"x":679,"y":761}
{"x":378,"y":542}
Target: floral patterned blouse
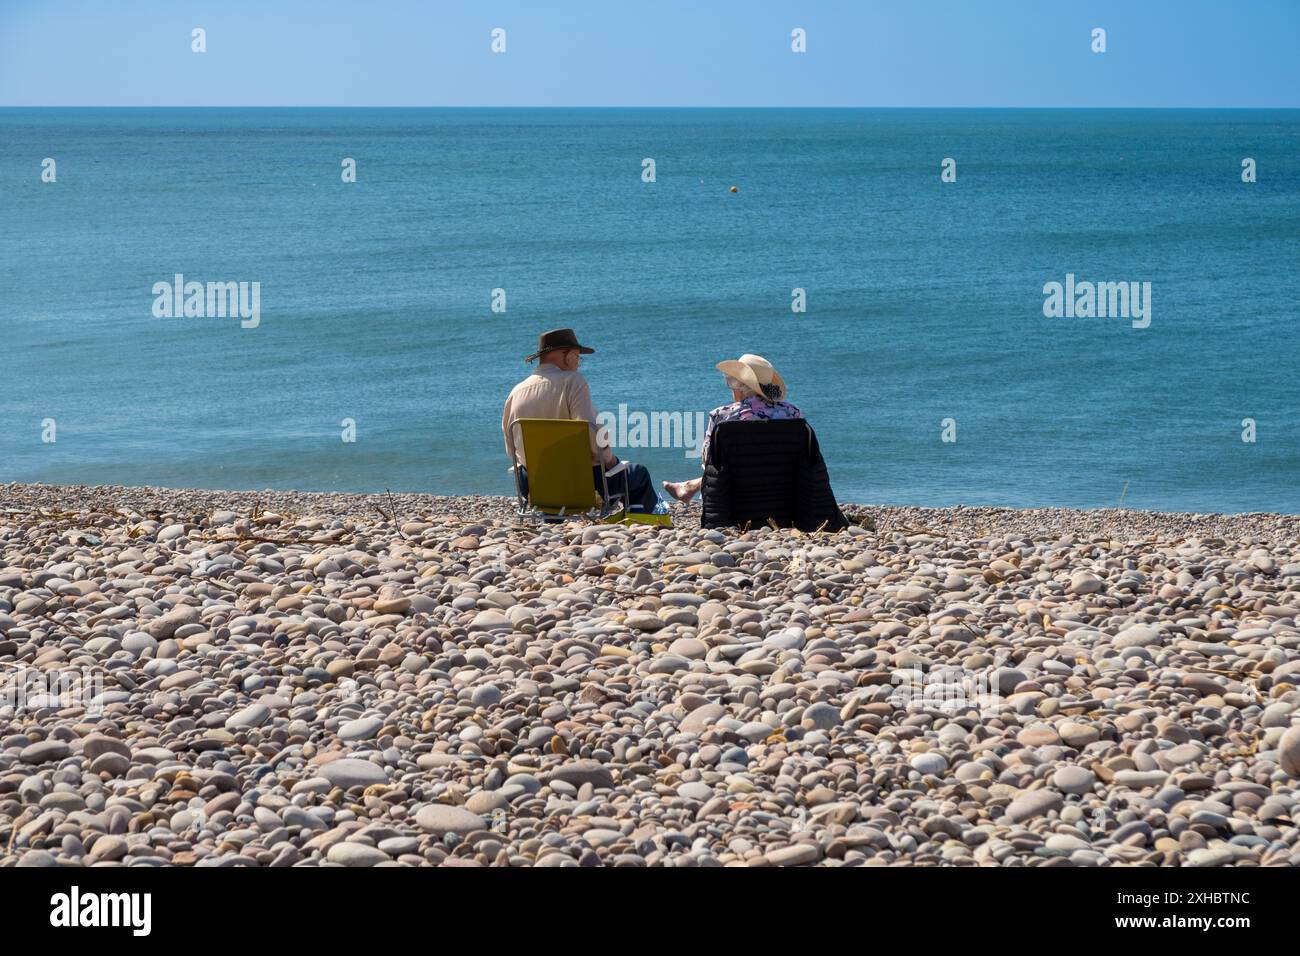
{"x":749,"y":409}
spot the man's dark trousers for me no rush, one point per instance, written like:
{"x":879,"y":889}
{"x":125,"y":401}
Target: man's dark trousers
{"x":640,"y":487}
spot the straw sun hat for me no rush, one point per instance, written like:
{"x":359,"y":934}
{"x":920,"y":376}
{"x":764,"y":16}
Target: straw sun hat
{"x":754,"y":372}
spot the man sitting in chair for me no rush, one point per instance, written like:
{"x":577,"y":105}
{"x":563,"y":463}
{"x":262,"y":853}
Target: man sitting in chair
{"x":558,"y":390}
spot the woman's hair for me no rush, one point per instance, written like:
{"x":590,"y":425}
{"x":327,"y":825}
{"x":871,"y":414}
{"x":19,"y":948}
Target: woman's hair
{"x":770,"y":392}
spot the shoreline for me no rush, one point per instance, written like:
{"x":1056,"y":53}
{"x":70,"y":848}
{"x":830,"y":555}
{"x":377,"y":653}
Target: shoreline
{"x":284,"y":678}
{"x":964,"y":519}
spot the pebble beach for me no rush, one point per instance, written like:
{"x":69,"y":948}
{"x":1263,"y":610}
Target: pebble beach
{"x":301,"y":679}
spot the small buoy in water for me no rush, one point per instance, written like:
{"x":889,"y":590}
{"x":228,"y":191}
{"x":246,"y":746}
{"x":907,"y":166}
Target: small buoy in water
{"x":733,"y":189}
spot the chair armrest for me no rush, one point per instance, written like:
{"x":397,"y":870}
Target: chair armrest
{"x":617,"y":469}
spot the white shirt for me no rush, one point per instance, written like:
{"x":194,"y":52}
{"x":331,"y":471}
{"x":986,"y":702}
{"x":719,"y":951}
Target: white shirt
{"x":551,"y":392}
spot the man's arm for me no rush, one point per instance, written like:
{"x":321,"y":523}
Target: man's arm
{"x":580,"y":406}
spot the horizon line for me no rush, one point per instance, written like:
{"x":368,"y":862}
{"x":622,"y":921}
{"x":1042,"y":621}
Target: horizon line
{"x":300,"y":106}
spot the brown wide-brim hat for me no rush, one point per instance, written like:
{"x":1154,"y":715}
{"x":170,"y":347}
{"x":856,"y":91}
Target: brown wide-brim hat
{"x":557,"y":339}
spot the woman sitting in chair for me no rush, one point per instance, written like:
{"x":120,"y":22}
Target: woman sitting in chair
{"x":758,"y":394}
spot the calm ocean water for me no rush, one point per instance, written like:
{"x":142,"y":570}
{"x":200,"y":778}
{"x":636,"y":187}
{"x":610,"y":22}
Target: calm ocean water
{"x":924,"y":299}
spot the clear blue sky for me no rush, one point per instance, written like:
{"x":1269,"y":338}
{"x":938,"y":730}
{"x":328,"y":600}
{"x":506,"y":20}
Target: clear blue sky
{"x":657,"y":53}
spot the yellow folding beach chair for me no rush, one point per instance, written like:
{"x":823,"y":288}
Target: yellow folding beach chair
{"x":558,"y":453}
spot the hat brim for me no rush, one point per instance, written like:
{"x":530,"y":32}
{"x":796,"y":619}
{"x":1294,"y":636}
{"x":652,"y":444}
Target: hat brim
{"x":743,"y":373}
{"x":559,"y":348}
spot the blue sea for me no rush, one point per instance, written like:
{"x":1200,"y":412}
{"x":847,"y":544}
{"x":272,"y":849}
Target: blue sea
{"x":924,"y":298}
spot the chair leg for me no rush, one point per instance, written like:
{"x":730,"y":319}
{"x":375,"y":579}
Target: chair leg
{"x":521,"y":502}
{"x":606,"y":506}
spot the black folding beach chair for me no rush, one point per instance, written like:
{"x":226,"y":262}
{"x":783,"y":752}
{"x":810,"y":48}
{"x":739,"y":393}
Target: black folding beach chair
{"x":763,"y":471}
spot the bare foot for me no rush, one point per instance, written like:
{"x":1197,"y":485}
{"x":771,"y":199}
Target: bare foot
{"x":683,"y":491}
